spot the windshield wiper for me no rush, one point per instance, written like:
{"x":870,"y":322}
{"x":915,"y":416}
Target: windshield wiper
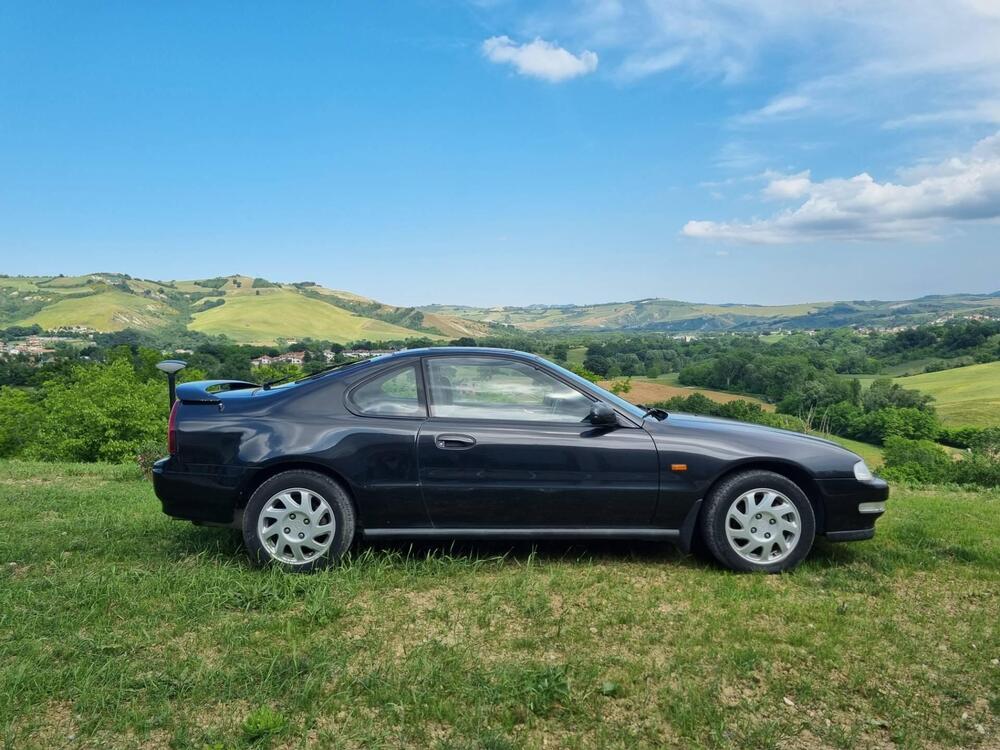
{"x":267,"y":386}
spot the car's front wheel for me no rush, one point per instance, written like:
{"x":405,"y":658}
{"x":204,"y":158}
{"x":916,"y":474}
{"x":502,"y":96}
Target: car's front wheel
{"x":758,"y":521}
{"x":301,"y":520}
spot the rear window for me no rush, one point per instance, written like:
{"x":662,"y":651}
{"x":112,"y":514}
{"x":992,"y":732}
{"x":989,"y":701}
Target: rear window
{"x":392,"y":394}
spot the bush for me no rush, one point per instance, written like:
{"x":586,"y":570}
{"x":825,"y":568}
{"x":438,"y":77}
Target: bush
{"x":905,"y":422}
{"x":959,"y":437}
{"x":916,"y":461}
{"x":149,"y":453}
{"x":99,"y":413}
{"x":843,"y":418}
{"x":923,"y":462}
{"x":884,"y":393}
{"x":20,"y":415}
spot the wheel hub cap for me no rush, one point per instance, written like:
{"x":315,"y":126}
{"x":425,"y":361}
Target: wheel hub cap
{"x":763,"y":526}
{"x":296,"y":526}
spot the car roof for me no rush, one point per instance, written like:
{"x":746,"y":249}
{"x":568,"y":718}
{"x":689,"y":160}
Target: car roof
{"x":459,"y":350}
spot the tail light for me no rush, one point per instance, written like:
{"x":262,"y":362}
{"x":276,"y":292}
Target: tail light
{"x":172,"y":430}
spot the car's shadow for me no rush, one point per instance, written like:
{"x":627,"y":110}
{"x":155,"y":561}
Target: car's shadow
{"x":523,"y":551}
{"x":226,"y":545}
{"x":186,"y":541}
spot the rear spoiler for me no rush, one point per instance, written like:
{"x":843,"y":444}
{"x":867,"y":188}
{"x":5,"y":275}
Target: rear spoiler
{"x":207,"y":391}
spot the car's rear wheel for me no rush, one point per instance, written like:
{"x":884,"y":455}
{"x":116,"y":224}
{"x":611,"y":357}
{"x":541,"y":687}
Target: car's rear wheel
{"x":300,"y":520}
{"x":758,"y":521}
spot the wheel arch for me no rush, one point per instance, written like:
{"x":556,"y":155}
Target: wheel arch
{"x":788,"y":469}
{"x":291,"y":464}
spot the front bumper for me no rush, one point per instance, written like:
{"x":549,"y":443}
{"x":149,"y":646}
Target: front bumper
{"x":851,"y":507}
{"x":203,"y":493}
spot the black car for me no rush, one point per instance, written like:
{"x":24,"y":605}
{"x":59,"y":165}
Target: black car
{"x":495,"y":444}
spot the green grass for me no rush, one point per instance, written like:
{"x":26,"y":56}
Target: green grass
{"x":281,"y":313}
{"x":963,"y":395}
{"x":122,"y":629}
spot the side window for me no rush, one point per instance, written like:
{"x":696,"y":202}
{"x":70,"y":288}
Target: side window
{"x":393,"y":394}
{"x":494,"y":388}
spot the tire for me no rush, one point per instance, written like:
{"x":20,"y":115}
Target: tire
{"x":287,"y":515}
{"x":758,"y":521}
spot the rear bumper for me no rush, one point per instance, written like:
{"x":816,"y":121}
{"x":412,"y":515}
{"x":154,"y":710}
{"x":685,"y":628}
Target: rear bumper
{"x":203,"y":493}
{"x":845,"y":520}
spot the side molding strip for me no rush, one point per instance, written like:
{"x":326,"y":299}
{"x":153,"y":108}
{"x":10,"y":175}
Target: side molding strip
{"x":537,"y":532}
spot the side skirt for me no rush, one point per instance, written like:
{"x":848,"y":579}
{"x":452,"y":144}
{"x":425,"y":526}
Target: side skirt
{"x":539,"y":532}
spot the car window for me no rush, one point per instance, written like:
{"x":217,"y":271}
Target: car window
{"x":494,"y":388}
{"x":393,"y":394}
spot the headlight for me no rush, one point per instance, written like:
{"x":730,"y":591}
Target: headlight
{"x":862,"y":473}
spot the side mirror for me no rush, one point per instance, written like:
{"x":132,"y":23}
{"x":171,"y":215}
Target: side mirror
{"x":602,"y":414}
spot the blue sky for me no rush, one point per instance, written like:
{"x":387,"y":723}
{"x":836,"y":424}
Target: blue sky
{"x":507,"y":153}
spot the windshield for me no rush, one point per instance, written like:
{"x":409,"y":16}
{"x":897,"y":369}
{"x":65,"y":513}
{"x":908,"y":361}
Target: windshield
{"x":616,"y":401}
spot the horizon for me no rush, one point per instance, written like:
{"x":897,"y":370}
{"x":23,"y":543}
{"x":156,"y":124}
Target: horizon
{"x":985,"y":293}
{"x":509,"y":153}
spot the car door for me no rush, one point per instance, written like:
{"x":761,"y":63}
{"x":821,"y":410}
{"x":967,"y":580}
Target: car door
{"x":507,"y":444}
{"x":379,"y":450}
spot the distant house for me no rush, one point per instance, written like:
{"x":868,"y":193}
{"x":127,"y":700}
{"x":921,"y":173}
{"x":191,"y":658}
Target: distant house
{"x":288,"y":358}
{"x":365,"y":353}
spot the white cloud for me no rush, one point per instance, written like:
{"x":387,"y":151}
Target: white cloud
{"x":539,"y":58}
{"x":788,"y":187}
{"x":900,"y":62}
{"x":782,"y":106}
{"x":927,"y":199}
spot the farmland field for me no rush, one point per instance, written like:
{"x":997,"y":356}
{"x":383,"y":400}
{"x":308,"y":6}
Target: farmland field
{"x":122,"y":629}
{"x":652,"y":390}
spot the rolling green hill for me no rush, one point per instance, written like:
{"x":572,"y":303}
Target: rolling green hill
{"x":282,"y":313}
{"x":673,"y":315}
{"x":964,"y":396}
{"x":261,"y":311}
{"x":246,"y":309}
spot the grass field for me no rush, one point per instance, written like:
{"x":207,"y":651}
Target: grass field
{"x":122,"y":629}
{"x":964,"y":395}
{"x":280,"y":313}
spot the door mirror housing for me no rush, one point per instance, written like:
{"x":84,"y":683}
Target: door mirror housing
{"x":602,"y":414}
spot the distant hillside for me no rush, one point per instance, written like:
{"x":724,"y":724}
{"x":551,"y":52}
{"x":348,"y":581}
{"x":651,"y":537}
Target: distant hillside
{"x":673,"y":315}
{"x":257,"y":310}
{"x":244,"y":308}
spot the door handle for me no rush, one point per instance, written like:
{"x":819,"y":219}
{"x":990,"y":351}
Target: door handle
{"x":455,"y":442}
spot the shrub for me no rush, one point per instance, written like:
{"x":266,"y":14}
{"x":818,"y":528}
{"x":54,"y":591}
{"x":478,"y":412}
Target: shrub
{"x":843,"y":418}
{"x":905,"y":422}
{"x":884,"y":393}
{"x":99,"y":413}
{"x":149,"y":453}
{"x":20,"y":415}
{"x":921,"y":461}
{"x":916,"y":461}
{"x":958,"y":437}
{"x":978,"y":469}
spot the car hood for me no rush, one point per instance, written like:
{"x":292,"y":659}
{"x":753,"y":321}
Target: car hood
{"x":735,"y":439}
{"x":730,"y":425}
